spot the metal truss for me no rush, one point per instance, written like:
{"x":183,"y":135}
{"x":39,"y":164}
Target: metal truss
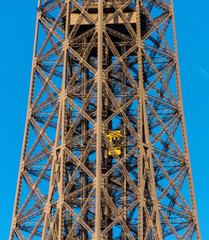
{"x":102,"y":68}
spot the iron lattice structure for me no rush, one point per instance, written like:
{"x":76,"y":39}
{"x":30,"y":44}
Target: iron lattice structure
{"x":105,"y":152}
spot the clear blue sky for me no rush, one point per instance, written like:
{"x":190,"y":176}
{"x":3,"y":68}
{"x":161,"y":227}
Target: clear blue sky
{"x":16,"y":47}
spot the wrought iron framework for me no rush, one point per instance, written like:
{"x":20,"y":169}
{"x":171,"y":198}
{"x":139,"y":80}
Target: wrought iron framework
{"x":102,"y":68}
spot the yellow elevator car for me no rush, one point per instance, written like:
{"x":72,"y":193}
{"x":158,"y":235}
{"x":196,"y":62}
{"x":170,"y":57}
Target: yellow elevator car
{"x":115,"y":139}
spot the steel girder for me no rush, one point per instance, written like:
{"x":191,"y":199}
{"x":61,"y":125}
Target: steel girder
{"x":101,"y":67}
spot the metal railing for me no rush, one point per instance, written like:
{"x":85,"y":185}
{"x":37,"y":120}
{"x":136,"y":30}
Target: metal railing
{"x":106,"y":3}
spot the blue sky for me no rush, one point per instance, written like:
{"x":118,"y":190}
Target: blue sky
{"x":16,"y":47}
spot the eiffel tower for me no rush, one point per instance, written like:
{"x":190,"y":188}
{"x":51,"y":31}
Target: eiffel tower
{"x":105,"y":153}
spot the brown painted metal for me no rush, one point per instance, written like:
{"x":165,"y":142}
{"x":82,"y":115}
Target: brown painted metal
{"x":100,"y":68}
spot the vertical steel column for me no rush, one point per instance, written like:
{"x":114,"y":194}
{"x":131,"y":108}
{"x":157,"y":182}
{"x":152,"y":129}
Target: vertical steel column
{"x":27,"y":129}
{"x":99,"y":122}
{"x":124,"y":134}
{"x":58,"y":158}
{"x":84,"y":127}
{"x":139,"y":126}
{"x":183,"y":129}
{"x":61,"y":181}
{"x":145,"y":156}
